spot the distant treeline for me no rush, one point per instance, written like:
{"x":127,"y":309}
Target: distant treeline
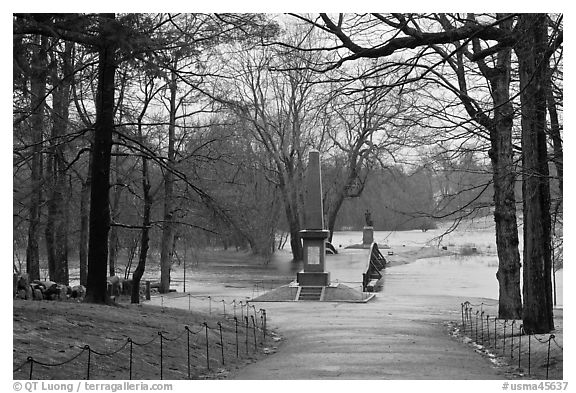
{"x":402,"y":200}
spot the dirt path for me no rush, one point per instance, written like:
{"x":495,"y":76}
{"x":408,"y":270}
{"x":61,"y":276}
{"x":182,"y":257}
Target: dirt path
{"x":395,"y":336}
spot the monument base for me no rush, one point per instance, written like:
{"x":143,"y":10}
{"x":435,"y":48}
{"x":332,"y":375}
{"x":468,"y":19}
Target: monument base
{"x":368,"y":235}
{"x":313,"y":279}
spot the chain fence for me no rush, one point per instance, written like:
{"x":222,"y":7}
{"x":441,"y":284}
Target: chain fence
{"x":529,"y":354}
{"x":225,"y":307}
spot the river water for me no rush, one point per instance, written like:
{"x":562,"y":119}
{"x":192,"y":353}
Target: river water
{"x":453,"y":275}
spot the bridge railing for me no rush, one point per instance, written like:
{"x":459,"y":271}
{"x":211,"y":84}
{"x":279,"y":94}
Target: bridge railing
{"x":376,"y":263}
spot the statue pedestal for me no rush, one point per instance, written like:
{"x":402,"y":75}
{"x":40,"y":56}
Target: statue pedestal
{"x":368,"y":235}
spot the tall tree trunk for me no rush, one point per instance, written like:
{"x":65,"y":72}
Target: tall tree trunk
{"x":332,"y":215}
{"x":289,"y":198}
{"x":508,"y":274}
{"x":56,"y":231}
{"x":38,"y":91}
{"x":531,"y":48}
{"x":61,"y":235}
{"x":113,"y":247}
{"x":100,"y":170}
{"x":84,"y":222}
{"x":145,"y":237}
{"x":144,"y":245}
{"x":168,"y":227}
{"x":295,"y":241}
{"x":504,"y":177}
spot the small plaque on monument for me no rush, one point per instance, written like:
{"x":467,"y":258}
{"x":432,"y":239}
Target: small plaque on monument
{"x":313,"y":255}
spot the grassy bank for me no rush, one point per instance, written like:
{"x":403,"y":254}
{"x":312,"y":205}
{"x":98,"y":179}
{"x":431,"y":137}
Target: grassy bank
{"x":56,"y":332}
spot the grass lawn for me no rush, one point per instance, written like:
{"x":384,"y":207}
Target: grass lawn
{"x":53,"y":332}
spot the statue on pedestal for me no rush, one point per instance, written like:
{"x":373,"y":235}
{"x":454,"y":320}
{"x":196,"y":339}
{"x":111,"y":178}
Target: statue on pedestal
{"x":368,"y":217}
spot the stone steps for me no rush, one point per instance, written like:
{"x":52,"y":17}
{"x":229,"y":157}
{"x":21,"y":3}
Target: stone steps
{"x":310,"y":293}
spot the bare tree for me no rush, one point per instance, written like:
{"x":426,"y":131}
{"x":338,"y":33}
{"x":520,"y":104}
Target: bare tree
{"x":363,"y":124}
{"x":276,"y":108}
{"x":149,"y":90}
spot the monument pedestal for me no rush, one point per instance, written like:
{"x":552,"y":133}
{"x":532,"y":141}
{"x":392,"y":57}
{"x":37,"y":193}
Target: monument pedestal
{"x":314,"y":245}
{"x":313,"y":279}
{"x":368,"y":236}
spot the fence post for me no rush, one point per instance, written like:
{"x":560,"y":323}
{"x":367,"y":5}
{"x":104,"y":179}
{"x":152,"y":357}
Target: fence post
{"x":265,"y":324}
{"x":529,"y":353}
{"x":548,"y":358}
{"x":147,"y":290}
{"x":246,"y":320}
{"x":476,"y":336}
{"x":30,"y":359}
{"x":520,"y":330}
{"x":234,"y":306}
{"x":161,"y":356}
{"x":504,"y":342}
{"x":224,"y":306}
{"x":188,"y":349}
{"x":482,"y":326}
{"x":495,"y":332}
{"x":462,"y":312}
{"x":263,"y":331}
{"x":488,"y":328}
{"x":465,"y":316}
{"x":207,"y":350}
{"x":254,"y":330}
{"x":236,"y":325}
{"x":512,"y":337}
{"x":221,"y":342}
{"x":88,"y":366}
{"x":130,"y":366}
{"x":209,"y":305}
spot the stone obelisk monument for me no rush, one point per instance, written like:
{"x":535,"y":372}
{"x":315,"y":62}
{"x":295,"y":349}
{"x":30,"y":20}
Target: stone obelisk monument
{"x":314,"y":236}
